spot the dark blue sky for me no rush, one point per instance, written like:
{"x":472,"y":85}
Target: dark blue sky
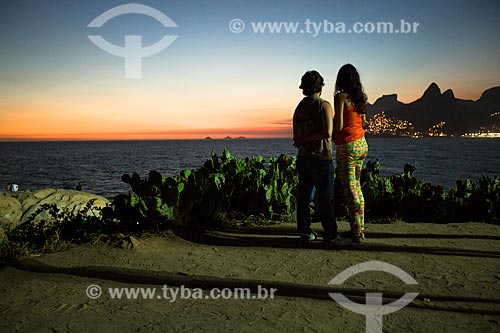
{"x":47,"y":61}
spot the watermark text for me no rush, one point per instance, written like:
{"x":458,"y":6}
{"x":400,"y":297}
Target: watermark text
{"x":171,"y":294}
{"x":324,"y":27}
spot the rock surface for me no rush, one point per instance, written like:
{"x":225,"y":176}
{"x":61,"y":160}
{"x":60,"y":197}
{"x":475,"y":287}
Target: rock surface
{"x":17,"y":207}
{"x":10,"y":210}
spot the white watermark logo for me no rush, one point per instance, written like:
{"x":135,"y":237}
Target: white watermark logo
{"x":236,"y":26}
{"x":93,"y":291}
{"x":133,"y":52}
{"x":324,"y":27}
{"x":171,"y":294}
{"x":374,"y":309}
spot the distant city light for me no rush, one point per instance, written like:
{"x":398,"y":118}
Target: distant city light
{"x":437,"y":130}
{"x":380,"y":124}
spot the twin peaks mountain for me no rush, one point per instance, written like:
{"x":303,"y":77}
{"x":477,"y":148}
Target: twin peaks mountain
{"x":433,"y":107}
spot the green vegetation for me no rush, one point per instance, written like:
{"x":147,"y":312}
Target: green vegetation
{"x":402,"y":196}
{"x":232,"y":187}
{"x":225,"y":187}
{"x":229,"y":188}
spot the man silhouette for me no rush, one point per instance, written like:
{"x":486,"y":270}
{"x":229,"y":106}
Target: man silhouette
{"x":312,"y":135}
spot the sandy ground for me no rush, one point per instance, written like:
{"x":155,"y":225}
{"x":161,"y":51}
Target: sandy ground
{"x":453,"y":260}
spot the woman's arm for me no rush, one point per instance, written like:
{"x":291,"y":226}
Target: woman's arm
{"x":338,"y":121}
{"x":365,"y":122}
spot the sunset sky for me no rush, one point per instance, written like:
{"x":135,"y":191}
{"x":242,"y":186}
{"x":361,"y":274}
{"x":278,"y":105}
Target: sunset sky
{"x":56,"y":84}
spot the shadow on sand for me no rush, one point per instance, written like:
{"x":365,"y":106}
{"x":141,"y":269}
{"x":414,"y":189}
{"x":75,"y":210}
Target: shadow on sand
{"x":279,"y":237}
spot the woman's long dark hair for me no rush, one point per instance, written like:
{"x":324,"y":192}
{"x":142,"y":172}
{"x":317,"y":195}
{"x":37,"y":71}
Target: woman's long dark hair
{"x":348,"y":81}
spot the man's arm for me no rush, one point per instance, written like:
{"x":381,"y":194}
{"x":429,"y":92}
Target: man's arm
{"x":328,"y":115}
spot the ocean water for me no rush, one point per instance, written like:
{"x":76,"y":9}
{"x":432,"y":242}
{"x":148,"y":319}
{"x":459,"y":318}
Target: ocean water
{"x":99,"y":165}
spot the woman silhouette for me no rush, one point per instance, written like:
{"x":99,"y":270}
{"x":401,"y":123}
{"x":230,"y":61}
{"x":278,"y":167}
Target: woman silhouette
{"x":349,"y":136}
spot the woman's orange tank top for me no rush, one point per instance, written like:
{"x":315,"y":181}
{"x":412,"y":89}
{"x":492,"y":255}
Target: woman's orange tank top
{"x":353,"y":127}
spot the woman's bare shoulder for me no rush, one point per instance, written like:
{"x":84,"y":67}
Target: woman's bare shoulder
{"x":341,"y":96}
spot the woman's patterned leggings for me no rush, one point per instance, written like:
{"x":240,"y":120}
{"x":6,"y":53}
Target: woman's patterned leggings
{"x":350,"y":157}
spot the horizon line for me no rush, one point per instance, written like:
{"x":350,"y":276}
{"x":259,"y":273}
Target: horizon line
{"x":208,"y":138}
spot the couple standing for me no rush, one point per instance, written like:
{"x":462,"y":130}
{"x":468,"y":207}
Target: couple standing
{"x":315,"y":123}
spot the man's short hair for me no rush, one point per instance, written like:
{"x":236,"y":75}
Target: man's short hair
{"x":312,"y":82}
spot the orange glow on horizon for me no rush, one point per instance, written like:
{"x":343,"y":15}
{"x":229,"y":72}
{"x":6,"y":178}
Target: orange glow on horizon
{"x":249,"y":133}
{"x":149,"y":115}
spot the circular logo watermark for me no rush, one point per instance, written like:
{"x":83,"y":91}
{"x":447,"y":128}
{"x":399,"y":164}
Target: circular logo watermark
{"x":133,"y":52}
{"x":93,"y":291}
{"x":236,"y":26}
{"x":374,"y":309}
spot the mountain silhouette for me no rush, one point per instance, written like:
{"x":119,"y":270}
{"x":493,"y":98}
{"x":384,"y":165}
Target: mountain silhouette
{"x":384,"y":103}
{"x":433,"y":107}
{"x":489,"y":102}
{"x":432,"y":91}
{"x":449,"y":94}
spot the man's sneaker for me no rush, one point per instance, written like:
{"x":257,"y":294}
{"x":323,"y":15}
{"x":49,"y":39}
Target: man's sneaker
{"x":340,"y":241}
{"x":309,"y":237}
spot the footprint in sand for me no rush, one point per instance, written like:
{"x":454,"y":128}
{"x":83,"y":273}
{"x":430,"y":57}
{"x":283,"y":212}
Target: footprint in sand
{"x":6,"y":310}
{"x":64,"y":309}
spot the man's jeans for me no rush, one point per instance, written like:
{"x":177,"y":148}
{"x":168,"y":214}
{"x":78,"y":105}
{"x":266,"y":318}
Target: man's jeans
{"x":319,"y":175}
